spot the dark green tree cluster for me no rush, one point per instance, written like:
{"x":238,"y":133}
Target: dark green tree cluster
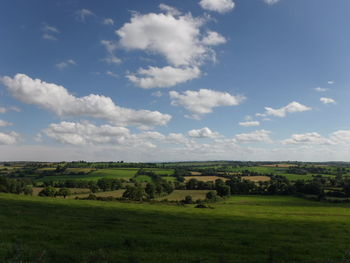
{"x":15,"y":186}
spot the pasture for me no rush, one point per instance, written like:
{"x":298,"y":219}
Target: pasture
{"x":245,"y":229}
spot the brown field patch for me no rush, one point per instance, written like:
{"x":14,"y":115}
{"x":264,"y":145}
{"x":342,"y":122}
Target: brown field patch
{"x":281,"y":165}
{"x":205,"y":178}
{"x":257,"y":178}
{"x":196,"y":173}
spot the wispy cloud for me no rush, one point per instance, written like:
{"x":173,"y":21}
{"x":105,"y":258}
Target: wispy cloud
{"x":65,"y":64}
{"x":82,"y":14}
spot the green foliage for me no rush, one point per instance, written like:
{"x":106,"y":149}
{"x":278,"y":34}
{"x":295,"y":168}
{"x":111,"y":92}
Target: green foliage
{"x":63,"y":192}
{"x":48,"y":191}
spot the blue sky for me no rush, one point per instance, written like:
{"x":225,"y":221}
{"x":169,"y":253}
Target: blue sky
{"x":174,"y":80}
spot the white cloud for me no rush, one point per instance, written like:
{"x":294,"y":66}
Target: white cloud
{"x":3,"y":109}
{"x":319,"y":89}
{"x":169,"y":9}
{"x":85,"y":133}
{"x":271,"y":2}
{"x":249,"y":123}
{"x":82,"y":14}
{"x":111,"y":46}
{"x":177,"y":38}
{"x":58,"y":100}
{"x":165,"y":77}
{"x":49,"y":37}
{"x":327,"y":100}
{"x":5,"y":123}
{"x":221,"y":6}
{"x":307,"y":138}
{"x":255,"y":136}
{"x":112,"y":74}
{"x":108,"y":21}
{"x":9,"y":138}
{"x":331,"y":82}
{"x":203,"y":133}
{"x":203,"y":101}
{"x":47,"y":28}
{"x":49,"y":32}
{"x":65,"y":64}
{"x":282,"y":112}
{"x":213,"y":38}
{"x":341,"y":136}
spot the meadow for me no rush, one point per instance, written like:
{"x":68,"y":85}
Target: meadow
{"x":238,"y":229}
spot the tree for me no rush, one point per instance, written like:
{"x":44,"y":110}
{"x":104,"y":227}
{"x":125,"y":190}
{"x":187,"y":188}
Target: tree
{"x":136,"y":193}
{"x":64,"y":192}
{"x":211,"y":196}
{"x":28,"y":190}
{"x":48,"y":191}
{"x":150,"y":190}
{"x":188,"y":199}
{"x":223,"y":190}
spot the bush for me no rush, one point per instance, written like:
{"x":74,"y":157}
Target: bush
{"x":48,"y":191}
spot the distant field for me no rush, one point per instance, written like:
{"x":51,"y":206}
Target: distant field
{"x":249,"y":229}
{"x":178,"y":195}
{"x":143,"y":178}
{"x":205,"y":178}
{"x":278,"y":165}
{"x":256,"y":178}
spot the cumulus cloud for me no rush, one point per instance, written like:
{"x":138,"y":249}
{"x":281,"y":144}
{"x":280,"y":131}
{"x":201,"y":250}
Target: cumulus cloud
{"x":5,"y":123}
{"x":86,"y":133}
{"x":58,"y":100}
{"x":282,"y":112}
{"x":255,"y":136}
{"x":213,"y":38}
{"x":82,"y":14}
{"x":341,"y":136}
{"x":65,"y":64}
{"x":176,"y":37}
{"x":249,"y":123}
{"x":307,"y":138}
{"x":319,"y":89}
{"x":271,"y":2}
{"x":203,"y":133}
{"x":108,"y":21}
{"x":9,"y":138}
{"x":203,"y":101}
{"x":221,"y":6}
{"x":165,"y":77}
{"x":111,"y":46}
{"x":327,"y":100}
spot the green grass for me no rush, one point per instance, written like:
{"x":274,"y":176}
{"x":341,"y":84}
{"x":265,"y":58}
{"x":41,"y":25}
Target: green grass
{"x":178,"y":195}
{"x":143,"y":178}
{"x":115,"y":173}
{"x":239,"y":229}
{"x":94,"y":175}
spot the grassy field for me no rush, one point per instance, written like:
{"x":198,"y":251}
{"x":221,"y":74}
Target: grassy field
{"x":239,"y":229}
{"x":94,"y":175}
{"x":178,"y":195}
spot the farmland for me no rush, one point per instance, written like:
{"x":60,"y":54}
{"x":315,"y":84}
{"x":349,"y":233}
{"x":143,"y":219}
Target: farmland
{"x":238,"y":229}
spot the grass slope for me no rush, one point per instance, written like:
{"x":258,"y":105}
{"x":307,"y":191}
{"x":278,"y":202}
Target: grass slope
{"x":239,"y":229}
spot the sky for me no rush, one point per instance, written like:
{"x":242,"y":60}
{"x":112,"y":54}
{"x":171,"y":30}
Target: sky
{"x":150,"y":81}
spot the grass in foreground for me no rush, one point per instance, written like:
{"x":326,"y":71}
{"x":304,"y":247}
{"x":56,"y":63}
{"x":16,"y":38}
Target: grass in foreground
{"x":239,"y":229}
